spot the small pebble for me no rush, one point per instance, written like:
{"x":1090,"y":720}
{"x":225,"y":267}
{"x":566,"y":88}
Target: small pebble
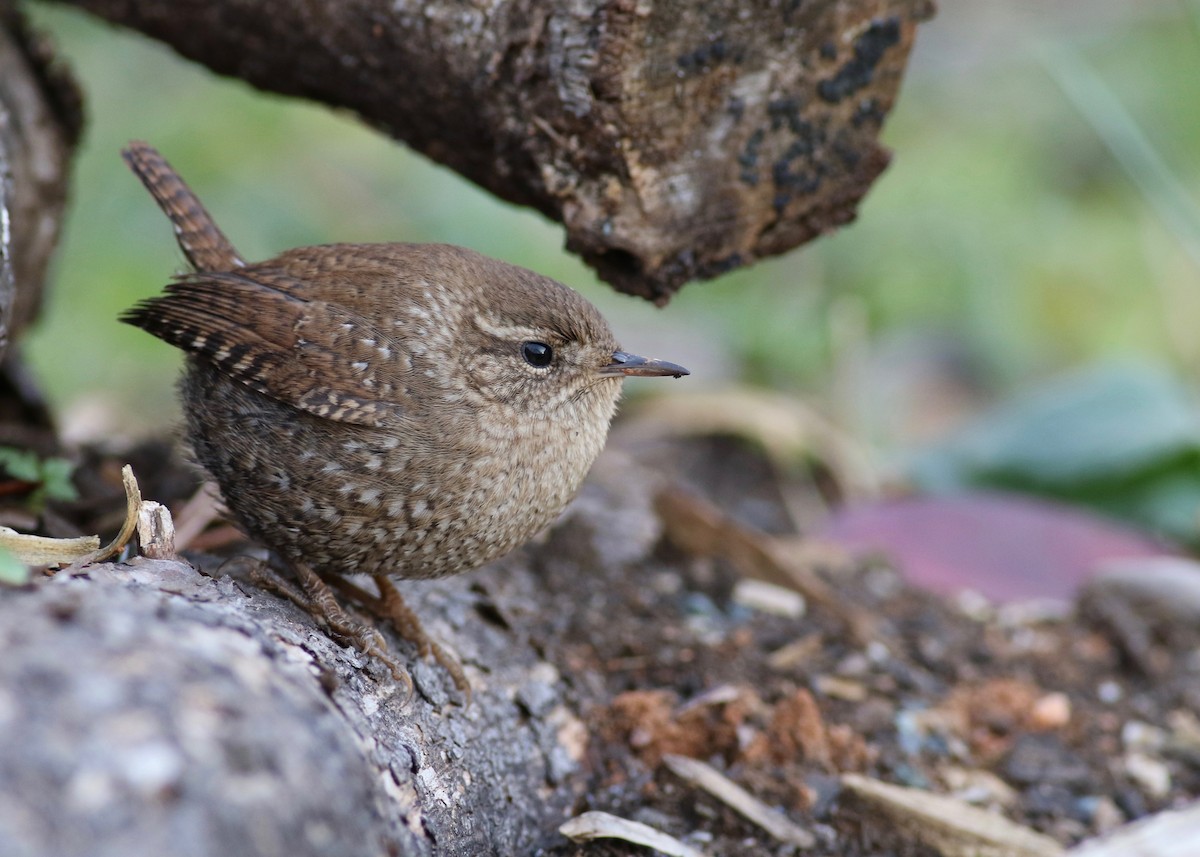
{"x":152,"y":769}
{"x":840,"y":688}
{"x":853,"y":665}
{"x":1052,"y":711}
{"x":1106,"y":815}
{"x":1152,"y":775}
{"x":979,"y":787}
{"x":769,"y":598}
{"x":975,"y":606}
{"x":1141,"y":737}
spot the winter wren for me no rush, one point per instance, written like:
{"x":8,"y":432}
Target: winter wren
{"x":407,"y":410}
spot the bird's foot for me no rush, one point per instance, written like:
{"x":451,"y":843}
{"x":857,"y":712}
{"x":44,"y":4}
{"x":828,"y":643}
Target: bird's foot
{"x":389,"y":605}
{"x":319,"y":601}
{"x":404,"y":620}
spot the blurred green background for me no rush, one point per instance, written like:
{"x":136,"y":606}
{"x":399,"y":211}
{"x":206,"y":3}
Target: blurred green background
{"x":1006,"y":242}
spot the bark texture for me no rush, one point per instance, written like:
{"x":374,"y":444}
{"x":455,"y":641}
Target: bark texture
{"x":39,"y":122}
{"x":150,"y":710}
{"x":673,"y":139}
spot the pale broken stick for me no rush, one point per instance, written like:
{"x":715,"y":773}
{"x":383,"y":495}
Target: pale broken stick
{"x":785,"y":429}
{"x":133,"y":502}
{"x":150,"y":519}
{"x":738,"y":799}
{"x":602,"y":825}
{"x":949,"y":826}
{"x":40,"y":551}
{"x":698,"y":527}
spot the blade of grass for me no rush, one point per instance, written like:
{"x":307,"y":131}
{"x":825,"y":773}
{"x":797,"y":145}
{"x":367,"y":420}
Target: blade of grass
{"x":1128,"y":144}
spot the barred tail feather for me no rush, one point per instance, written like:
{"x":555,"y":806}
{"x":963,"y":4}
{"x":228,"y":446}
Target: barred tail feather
{"x":202,"y":242}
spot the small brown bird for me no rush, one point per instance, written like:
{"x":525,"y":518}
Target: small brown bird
{"x":406,"y":410}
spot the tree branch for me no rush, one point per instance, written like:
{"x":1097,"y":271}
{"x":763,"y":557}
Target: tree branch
{"x":674,"y":140}
{"x":39,"y":123}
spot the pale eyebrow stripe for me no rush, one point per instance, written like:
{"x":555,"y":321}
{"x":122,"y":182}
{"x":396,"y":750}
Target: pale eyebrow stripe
{"x":506,"y":332}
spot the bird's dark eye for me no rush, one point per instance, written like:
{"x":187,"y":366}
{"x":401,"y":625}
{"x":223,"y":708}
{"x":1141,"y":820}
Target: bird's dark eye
{"x":537,"y":354}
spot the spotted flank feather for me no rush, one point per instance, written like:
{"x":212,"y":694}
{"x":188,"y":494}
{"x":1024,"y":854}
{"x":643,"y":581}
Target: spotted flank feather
{"x":206,"y":247}
{"x":313,"y":355}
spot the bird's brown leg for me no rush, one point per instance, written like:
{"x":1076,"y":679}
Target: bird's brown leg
{"x":391,"y":606}
{"x":355,"y":593}
{"x":266,"y":578}
{"x":319,"y":601}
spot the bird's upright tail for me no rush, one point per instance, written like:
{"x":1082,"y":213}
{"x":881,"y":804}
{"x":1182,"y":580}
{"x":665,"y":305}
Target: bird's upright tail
{"x":206,"y":247}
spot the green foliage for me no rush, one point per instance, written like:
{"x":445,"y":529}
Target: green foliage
{"x":13,"y":572}
{"x":51,"y":475}
{"x":1123,"y":439}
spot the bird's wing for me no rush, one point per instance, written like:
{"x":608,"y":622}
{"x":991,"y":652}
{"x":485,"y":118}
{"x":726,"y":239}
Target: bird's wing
{"x":255,"y":326}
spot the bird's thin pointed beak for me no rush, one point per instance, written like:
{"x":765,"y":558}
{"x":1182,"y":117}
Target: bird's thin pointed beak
{"x":631,"y":364}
